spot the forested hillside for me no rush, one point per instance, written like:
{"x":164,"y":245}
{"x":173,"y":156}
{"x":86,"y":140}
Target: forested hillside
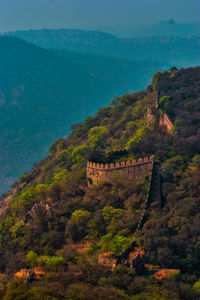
{"x":56,"y":226}
{"x":182,"y":52}
{"x":43,"y":93}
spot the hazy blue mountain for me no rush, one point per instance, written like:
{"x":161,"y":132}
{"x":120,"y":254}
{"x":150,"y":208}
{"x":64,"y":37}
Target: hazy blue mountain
{"x":42,"y":93}
{"x":163,"y":28}
{"x":182,"y":52}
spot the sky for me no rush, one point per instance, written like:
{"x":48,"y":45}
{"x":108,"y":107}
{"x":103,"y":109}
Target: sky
{"x":35,"y":14}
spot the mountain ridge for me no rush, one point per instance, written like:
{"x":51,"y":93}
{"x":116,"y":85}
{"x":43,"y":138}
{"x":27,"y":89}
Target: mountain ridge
{"x":73,"y":233}
{"x":182,"y":52}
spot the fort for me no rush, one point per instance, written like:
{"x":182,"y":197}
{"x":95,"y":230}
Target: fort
{"x":137,"y":169}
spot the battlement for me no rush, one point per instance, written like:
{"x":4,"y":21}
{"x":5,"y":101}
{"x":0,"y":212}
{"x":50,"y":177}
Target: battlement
{"x":118,"y":165}
{"x":97,"y":172}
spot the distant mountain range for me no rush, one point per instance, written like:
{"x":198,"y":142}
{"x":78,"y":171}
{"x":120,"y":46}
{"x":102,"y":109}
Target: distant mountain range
{"x":180,"y":51}
{"x":163,"y":28}
{"x":42,"y":93}
{"x":50,"y":79}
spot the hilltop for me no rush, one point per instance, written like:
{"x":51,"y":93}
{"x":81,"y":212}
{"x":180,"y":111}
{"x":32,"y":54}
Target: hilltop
{"x":70,"y":233}
{"x":43,"y":93}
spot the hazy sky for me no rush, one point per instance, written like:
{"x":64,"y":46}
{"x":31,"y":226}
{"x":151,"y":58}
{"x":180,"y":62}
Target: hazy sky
{"x":26,"y":14}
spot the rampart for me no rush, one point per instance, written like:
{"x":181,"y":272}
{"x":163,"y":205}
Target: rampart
{"x":137,"y":169}
{"x":165,"y":122}
{"x":162,"y":120}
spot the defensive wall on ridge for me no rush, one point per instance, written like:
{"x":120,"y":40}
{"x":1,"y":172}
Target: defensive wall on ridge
{"x":137,"y":169}
{"x":166,"y":122}
{"x":163,"y":121}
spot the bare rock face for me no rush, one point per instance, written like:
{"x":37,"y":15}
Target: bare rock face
{"x":107,"y":259}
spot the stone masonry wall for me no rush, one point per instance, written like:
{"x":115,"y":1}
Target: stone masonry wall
{"x":137,"y":169}
{"x":165,"y":122}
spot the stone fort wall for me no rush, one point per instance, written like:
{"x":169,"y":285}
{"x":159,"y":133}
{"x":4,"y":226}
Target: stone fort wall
{"x":165,"y":122}
{"x":137,"y":169}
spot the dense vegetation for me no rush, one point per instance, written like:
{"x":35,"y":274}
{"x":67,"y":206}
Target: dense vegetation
{"x":182,"y":52}
{"x":55,"y":222}
{"x":42,"y":94}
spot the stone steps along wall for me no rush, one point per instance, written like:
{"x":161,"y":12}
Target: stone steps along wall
{"x":152,"y":197}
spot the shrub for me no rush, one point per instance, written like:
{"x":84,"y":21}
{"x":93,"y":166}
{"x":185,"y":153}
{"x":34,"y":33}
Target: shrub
{"x":164,"y":100}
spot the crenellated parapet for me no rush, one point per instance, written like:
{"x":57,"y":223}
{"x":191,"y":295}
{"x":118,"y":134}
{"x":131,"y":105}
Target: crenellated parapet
{"x":97,"y":172}
{"x":120,"y":165}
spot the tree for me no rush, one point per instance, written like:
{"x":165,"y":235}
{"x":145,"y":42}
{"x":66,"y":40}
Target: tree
{"x":79,"y":153}
{"x":173,"y":69}
{"x":139,"y":135}
{"x":97,"y":136}
{"x":106,"y":242}
{"x":119,"y":244}
{"x":81,"y":216}
{"x":109,"y":212}
{"x":51,"y":262}
{"x":196,"y":286}
{"x":31,"y":258}
{"x":196,"y":160}
{"x":17,"y":291}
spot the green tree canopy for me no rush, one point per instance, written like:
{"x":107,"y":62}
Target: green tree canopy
{"x":97,"y":136}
